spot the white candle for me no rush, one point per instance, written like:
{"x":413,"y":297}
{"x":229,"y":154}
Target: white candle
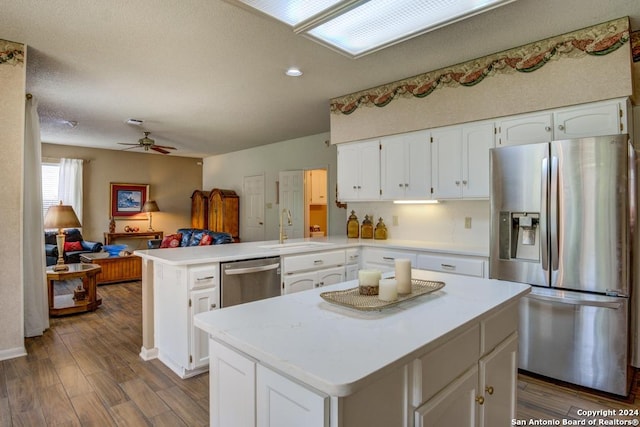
{"x":388,"y":290}
{"x":369,"y":277}
{"x":403,"y":275}
{"x":368,"y":281}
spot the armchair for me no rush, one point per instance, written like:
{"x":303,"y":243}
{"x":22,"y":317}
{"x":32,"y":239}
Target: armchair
{"x":72,"y":238}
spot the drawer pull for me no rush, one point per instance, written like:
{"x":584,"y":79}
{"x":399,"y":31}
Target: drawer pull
{"x":448,"y":266}
{"x":489,"y":389}
{"x":388,"y":258}
{"x":204,"y":278}
{"x":318,"y":261}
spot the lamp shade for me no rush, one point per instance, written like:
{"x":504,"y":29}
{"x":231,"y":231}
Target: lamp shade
{"x":150,"y":206}
{"x":61,"y":216}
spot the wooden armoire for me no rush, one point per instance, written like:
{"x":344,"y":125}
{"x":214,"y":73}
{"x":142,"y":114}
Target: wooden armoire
{"x":200,"y":209}
{"x":224,"y":212}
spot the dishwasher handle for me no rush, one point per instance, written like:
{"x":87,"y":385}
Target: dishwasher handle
{"x":571,"y":301}
{"x":249,"y":270}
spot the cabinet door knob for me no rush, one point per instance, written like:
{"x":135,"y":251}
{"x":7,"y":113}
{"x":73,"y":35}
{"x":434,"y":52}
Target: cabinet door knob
{"x":400,"y":185}
{"x":547,"y":128}
{"x":480,"y":400}
{"x":355,"y":187}
{"x":489,"y":389}
{"x":406,"y":185}
{"x":213,"y":306}
{"x":464,"y":182}
{"x":561,"y":127}
{"x":457,"y":182}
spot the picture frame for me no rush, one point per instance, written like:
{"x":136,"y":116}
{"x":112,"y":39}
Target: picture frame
{"x":127,"y":200}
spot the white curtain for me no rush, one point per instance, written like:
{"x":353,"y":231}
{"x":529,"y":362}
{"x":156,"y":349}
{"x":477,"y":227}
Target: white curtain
{"x":70,"y":185}
{"x":36,"y":310}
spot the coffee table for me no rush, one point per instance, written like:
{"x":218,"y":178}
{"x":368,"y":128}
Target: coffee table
{"x":60,"y":305}
{"x":115,"y":268}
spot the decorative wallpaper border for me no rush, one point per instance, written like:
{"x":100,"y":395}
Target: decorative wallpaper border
{"x":11,"y":53}
{"x":598,"y":40}
{"x":635,"y":46}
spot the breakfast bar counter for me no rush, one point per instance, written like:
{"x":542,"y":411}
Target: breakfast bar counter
{"x":299,"y":360}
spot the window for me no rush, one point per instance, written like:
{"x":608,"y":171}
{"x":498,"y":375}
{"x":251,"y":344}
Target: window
{"x":50,"y":173}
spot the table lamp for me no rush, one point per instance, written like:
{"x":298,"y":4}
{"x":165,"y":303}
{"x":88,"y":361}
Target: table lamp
{"x":150,"y":206}
{"x":61,"y":216}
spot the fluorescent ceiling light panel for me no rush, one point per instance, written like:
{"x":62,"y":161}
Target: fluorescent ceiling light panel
{"x":359,"y":27}
{"x":292,"y":12}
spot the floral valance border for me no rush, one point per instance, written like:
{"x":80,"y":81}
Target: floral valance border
{"x":11,"y":53}
{"x":598,"y":40}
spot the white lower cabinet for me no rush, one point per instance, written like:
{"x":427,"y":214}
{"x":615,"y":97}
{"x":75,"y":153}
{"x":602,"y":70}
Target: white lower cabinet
{"x":313,"y":279}
{"x":232,"y":388}
{"x":181,"y":292}
{"x":453,"y":406}
{"x":284,"y":403}
{"x":468,"y":380}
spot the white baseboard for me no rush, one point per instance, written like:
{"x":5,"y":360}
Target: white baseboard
{"x":148,"y":353}
{"x":12,"y":353}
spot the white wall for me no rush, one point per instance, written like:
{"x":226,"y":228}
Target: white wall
{"x":227,"y":171}
{"x":441,"y":223}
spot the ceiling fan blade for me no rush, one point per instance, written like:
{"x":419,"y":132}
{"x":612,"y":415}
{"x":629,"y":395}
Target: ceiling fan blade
{"x":131,"y":148}
{"x":165,"y":147}
{"x":159,"y":150}
{"x":127,"y":143}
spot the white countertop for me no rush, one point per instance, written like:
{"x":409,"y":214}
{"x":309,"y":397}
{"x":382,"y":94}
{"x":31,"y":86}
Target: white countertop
{"x":239,"y":251}
{"x":338,"y":350}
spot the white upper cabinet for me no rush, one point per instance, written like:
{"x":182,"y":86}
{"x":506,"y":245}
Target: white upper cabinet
{"x":405,"y":166}
{"x":525,"y":129}
{"x":597,"y":119}
{"x":460,"y":160}
{"x":593,"y":119}
{"x":359,"y":171}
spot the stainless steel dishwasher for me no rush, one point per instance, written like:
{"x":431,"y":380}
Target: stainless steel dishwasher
{"x":249,"y":280}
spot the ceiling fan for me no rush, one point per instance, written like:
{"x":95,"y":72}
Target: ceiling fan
{"x":148,"y":143}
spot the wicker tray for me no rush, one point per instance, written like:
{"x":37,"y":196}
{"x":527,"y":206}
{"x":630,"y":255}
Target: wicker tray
{"x":351,"y":297}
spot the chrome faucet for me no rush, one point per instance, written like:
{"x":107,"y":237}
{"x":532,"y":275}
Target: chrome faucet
{"x":283,"y":235}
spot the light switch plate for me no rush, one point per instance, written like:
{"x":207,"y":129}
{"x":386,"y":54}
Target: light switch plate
{"x":467,"y":222}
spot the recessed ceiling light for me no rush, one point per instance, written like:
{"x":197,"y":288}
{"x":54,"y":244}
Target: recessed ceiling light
{"x":359,"y":27}
{"x":134,"y":122}
{"x":293,"y":72}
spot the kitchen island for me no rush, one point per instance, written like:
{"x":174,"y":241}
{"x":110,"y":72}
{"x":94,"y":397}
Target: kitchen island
{"x":447,"y":358}
{"x":178,"y":283}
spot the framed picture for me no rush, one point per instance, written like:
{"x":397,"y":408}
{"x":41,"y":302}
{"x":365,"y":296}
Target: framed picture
{"x":127,"y":200}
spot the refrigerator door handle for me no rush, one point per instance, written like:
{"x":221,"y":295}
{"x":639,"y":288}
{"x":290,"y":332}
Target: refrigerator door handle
{"x":571,"y":301}
{"x":544,"y":238}
{"x":553,"y":213}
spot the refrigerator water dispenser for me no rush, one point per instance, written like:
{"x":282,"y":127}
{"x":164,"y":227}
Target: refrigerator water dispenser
{"x":520,"y":236}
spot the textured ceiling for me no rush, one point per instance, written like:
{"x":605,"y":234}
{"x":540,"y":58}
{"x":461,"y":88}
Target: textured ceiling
{"x":207,"y":77}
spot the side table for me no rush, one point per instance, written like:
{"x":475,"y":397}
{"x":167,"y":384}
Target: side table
{"x":109,"y":238}
{"x":59,"y":305}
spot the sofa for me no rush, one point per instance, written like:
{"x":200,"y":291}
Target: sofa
{"x":74,"y":243}
{"x":184,"y":237}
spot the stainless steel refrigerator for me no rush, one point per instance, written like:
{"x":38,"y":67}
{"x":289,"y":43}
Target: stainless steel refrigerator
{"x":562,"y":218}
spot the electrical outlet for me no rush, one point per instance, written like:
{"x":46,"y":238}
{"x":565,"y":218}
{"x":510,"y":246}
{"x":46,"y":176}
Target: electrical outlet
{"x":467,"y":222}
{"x":394,"y":219}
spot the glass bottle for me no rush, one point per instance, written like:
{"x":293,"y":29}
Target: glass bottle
{"x":353,"y":226}
{"x":366,"y":231}
{"x":380,"y":233}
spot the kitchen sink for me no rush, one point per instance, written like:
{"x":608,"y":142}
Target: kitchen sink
{"x":288,"y":245}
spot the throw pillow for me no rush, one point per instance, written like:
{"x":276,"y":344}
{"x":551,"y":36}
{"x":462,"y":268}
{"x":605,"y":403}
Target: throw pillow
{"x":72,"y":246}
{"x":171,"y":241}
{"x":206,"y":240}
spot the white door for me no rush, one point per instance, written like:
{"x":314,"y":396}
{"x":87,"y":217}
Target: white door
{"x":418,"y":165}
{"x":392,"y":167}
{"x":589,"y":120}
{"x":453,"y":406}
{"x":477,"y":140}
{"x":253,"y":208}
{"x":331,"y":276}
{"x":201,"y":301}
{"x":284,"y":403}
{"x":525,"y":129}
{"x":498,"y":384}
{"x":291,"y":196}
{"x":299,"y":282}
{"x":446,"y":161}
{"x":348,"y":171}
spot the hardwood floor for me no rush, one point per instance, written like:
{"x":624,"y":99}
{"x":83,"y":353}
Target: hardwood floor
{"x":85,"y":371}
